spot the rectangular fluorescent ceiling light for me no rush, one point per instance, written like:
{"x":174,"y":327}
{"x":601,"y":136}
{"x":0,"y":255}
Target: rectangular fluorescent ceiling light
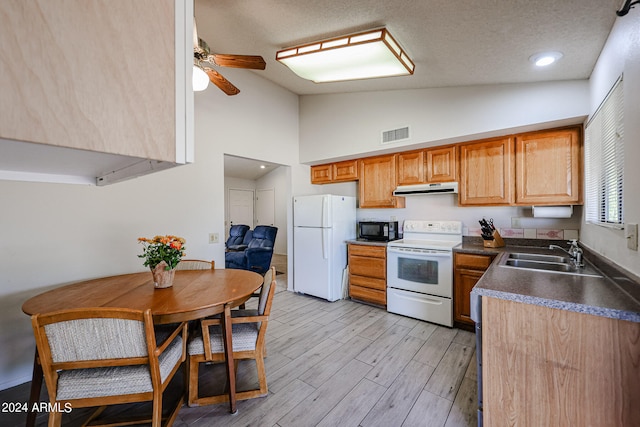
{"x":364,"y":55}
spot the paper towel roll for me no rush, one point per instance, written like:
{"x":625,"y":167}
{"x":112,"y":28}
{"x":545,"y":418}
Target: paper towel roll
{"x":552,"y":211}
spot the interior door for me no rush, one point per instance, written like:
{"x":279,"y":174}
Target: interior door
{"x":265,"y":207}
{"x":240,"y":208}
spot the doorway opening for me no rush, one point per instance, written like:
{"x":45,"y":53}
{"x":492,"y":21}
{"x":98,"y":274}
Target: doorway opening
{"x":257,"y":193}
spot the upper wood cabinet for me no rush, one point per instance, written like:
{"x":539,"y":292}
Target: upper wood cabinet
{"x":411,"y":167}
{"x":377,"y":182}
{"x":486,"y":172}
{"x":534,"y":168}
{"x":441,"y":164}
{"x":322,"y":174}
{"x":335,"y":172}
{"x":100,"y":76}
{"x":548,"y":167}
{"x":345,"y":171}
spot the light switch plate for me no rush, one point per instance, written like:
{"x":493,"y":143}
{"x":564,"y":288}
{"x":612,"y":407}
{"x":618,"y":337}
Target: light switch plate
{"x":631,"y":233}
{"x":214,"y":238}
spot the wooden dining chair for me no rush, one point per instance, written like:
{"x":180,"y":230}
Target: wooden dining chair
{"x":248,"y":334}
{"x":195,"y":264}
{"x":107,"y":356}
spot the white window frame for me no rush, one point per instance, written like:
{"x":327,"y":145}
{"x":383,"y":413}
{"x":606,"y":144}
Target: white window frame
{"x":604,"y":161}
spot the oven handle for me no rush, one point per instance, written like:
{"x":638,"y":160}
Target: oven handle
{"x":442,"y":254}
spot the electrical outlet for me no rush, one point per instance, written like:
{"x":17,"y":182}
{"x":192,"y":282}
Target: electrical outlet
{"x":394,"y":218}
{"x":631,"y":233}
{"x":214,"y":237}
{"x":515,"y":222}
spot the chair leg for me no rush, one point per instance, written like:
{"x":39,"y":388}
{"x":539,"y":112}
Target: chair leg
{"x":193,"y":381}
{"x":156,"y":418}
{"x":55,"y":419}
{"x":262,"y":375}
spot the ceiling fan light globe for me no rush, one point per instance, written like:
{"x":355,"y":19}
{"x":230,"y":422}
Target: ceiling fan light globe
{"x":200,"y":80}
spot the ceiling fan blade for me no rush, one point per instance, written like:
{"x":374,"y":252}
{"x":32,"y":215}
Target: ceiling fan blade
{"x":254,"y":62}
{"x":219,"y":80}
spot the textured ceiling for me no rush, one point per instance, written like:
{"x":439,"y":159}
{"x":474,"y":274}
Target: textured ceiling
{"x":452,"y":42}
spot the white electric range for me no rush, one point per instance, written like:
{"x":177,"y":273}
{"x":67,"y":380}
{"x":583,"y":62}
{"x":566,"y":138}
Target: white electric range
{"x":420,"y":270}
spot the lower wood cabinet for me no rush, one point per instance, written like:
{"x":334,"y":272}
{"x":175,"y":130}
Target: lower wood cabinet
{"x":468,"y":269}
{"x":368,"y":273}
{"x":544,"y":366}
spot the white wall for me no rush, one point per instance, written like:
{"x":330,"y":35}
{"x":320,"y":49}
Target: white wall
{"x":620,"y":55}
{"x":347,"y":125}
{"x":54,"y":234}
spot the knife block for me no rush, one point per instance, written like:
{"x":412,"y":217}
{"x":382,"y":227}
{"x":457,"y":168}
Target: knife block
{"x":497,"y":241}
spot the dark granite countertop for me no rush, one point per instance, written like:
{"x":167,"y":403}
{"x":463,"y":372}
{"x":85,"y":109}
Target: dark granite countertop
{"x":600,"y":296}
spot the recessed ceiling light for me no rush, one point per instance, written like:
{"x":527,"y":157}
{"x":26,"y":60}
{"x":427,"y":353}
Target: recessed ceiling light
{"x":545,"y":58}
{"x":262,"y":166}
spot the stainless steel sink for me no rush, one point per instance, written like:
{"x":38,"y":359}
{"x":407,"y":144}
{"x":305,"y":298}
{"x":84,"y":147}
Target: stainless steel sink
{"x":538,"y":265}
{"x":540,"y":257}
{"x":548,"y":263}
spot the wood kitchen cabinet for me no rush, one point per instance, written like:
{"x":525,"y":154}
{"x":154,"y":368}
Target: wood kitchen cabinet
{"x":467,"y":270}
{"x":544,"y":366}
{"x":548,"y":167}
{"x":487,"y":172}
{"x":534,"y":168}
{"x":411,"y":168}
{"x":102,"y":76}
{"x":322,"y":174}
{"x":441,"y":164}
{"x":335,"y":172}
{"x":377,"y":182}
{"x":368,"y":273}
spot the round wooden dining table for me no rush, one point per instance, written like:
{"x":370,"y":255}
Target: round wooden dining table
{"x":195,"y":294}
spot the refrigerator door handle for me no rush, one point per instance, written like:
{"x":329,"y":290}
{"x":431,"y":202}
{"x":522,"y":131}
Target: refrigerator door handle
{"x":323,"y":214}
{"x":325,"y":243}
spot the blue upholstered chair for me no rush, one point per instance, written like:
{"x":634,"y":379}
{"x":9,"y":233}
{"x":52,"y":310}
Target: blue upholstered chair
{"x":257,"y":256}
{"x":237,"y":233}
{"x":245,"y":242}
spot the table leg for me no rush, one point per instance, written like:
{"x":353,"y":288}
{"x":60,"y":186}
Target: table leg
{"x":228,"y":350}
{"x":36,"y":386}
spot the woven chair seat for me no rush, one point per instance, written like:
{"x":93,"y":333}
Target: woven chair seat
{"x":244,"y":339}
{"x":116,"y":380}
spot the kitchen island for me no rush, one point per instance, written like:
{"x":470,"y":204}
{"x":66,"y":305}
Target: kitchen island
{"x":557,"y":349}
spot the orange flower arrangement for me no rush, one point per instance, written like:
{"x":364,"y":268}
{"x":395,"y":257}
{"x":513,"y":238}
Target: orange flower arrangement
{"x":169,"y":249}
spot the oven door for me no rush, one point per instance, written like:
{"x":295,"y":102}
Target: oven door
{"x":425,"y":271}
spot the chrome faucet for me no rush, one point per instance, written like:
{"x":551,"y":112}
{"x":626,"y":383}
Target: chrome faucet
{"x":575,"y":252}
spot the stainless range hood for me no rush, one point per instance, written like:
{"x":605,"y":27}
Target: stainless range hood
{"x":426,"y":189}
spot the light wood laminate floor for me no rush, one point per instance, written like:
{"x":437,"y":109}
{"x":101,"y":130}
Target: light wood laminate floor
{"x":335,"y":364}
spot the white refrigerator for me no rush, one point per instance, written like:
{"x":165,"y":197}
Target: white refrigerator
{"x":322,"y":224}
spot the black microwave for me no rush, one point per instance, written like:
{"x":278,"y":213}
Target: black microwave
{"x":383,"y":231}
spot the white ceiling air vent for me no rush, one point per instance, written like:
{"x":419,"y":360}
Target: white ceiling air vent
{"x":395,"y":135}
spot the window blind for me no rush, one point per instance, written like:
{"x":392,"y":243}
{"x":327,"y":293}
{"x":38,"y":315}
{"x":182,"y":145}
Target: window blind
{"x":604,"y":161}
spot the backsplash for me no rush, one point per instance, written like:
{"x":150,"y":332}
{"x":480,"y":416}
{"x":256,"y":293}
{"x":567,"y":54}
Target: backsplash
{"x":512,"y":221}
{"x":529,"y":233}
